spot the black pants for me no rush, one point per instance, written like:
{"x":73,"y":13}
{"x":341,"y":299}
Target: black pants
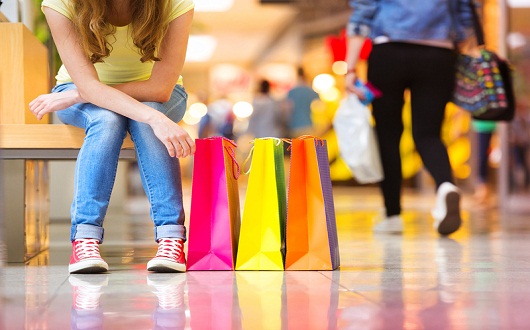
{"x":484,"y":141}
{"x":428,"y":73}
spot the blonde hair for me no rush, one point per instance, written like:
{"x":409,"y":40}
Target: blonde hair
{"x":150,"y":20}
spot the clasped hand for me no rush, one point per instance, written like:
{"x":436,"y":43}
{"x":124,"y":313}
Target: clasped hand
{"x":177,"y":141}
{"x":47,"y":103}
{"x":351,"y":77}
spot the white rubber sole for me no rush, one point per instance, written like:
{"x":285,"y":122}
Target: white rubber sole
{"x":89,"y":266}
{"x":165,"y":266}
{"x":451,"y":221}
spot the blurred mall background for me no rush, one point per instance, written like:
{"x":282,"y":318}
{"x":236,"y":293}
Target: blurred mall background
{"x":476,"y":279}
{"x":236,"y":43}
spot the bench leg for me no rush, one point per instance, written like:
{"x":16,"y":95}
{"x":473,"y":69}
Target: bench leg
{"x":26,"y":208}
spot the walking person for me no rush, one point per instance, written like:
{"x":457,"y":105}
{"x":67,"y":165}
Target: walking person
{"x":267,"y":117}
{"x":121,"y":69}
{"x":299,"y":100}
{"x":412,"y":50}
{"x":484,"y":131}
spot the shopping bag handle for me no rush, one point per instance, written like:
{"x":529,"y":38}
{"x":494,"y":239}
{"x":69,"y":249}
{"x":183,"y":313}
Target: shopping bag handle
{"x":236,"y":171}
{"x":303,"y":137}
{"x":222,"y":138}
{"x":279,"y":140}
{"x":247,"y":159}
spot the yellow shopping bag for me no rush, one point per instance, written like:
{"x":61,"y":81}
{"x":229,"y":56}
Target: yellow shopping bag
{"x":262,"y":235}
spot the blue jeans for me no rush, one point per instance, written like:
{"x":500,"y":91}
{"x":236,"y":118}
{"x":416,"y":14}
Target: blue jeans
{"x":97,"y":163}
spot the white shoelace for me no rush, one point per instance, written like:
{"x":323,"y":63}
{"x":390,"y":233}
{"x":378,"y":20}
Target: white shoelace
{"x":170,"y":248}
{"x":87,"y":248}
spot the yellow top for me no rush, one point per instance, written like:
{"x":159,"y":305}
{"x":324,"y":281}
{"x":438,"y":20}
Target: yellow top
{"x":123,"y":65}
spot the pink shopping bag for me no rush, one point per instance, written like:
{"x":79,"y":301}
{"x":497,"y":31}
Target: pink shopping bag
{"x":215,"y":214}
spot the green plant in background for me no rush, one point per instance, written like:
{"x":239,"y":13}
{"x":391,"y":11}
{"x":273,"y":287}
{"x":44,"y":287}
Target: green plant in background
{"x":42,"y":32}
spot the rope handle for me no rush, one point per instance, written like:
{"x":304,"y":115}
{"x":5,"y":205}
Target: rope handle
{"x":222,"y":138}
{"x":278,"y":140}
{"x":252,"y":151}
{"x":235,"y":165}
{"x":303,"y":137}
{"x":231,"y":153}
{"x":247,"y":159}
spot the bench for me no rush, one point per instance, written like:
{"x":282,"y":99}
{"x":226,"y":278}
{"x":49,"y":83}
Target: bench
{"x":27,"y":144}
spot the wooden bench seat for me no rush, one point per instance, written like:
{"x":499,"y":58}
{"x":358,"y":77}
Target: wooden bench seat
{"x":51,"y":141}
{"x":25,"y":150}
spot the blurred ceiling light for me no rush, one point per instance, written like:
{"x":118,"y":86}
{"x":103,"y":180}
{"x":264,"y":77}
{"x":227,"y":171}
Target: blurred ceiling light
{"x":213,"y":5}
{"x":340,"y":68}
{"x":242,"y":109}
{"x":323,"y":82}
{"x":516,"y":40}
{"x":190,"y":120}
{"x":198,"y":110}
{"x":519,"y":3}
{"x":330,"y":95}
{"x":200,"y":48}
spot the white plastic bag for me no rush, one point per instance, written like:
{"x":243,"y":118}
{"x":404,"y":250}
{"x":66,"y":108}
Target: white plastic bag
{"x":357,"y":140}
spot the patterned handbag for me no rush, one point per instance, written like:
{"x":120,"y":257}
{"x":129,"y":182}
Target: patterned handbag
{"x":484,"y":84}
{"x":484,"y":87}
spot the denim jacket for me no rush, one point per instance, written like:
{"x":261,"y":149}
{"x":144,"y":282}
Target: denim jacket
{"x":409,"y":20}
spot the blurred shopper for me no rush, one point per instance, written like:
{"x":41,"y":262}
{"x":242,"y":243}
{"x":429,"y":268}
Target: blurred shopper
{"x":121,"y":74}
{"x":219,"y":120}
{"x":519,"y":143}
{"x":484,"y":130}
{"x":299,"y":100}
{"x":267,"y":119}
{"x":413,"y":49}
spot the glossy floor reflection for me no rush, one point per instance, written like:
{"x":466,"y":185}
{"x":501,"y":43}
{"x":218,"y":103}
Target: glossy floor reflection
{"x":479,"y":278}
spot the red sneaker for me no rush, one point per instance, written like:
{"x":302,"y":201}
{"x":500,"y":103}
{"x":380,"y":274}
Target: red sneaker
{"x":85,"y":257}
{"x":169,"y":258}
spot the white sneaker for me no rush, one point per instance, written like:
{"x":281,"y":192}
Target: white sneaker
{"x":446,"y":213}
{"x":390,"y":225}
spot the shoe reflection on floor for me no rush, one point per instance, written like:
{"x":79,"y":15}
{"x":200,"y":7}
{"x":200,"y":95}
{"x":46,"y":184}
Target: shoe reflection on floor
{"x":169,"y":289}
{"x":86,"y":292}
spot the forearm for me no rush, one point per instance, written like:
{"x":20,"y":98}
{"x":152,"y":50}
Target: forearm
{"x":117,"y":101}
{"x":146,"y":91}
{"x":355,"y":44}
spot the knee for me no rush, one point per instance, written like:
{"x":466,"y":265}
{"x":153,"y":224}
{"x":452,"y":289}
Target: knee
{"x":108,"y":125}
{"x":425,"y":140}
{"x":155,"y":105}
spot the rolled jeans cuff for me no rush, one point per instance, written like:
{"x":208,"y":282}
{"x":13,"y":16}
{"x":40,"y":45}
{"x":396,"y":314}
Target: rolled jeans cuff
{"x":87,"y":231}
{"x":170,"y":231}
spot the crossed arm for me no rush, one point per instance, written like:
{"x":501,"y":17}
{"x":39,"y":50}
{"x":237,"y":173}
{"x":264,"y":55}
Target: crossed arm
{"x":124,"y":99}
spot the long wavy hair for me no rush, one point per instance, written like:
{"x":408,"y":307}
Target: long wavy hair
{"x":150,"y":21}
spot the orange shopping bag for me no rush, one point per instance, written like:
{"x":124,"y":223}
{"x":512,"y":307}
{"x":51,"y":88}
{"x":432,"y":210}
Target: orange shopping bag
{"x":311,"y":233}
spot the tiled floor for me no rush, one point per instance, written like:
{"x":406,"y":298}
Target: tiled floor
{"x":479,"y":278}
